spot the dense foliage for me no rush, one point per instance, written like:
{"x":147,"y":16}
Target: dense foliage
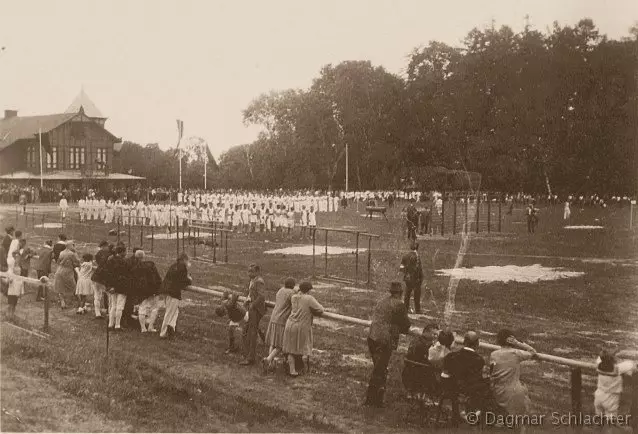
{"x":530,"y":111}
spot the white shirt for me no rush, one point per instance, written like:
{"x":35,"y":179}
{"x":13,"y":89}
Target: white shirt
{"x":63,"y":203}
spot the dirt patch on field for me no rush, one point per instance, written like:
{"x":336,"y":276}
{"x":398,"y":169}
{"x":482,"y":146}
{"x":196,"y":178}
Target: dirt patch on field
{"x":510,"y":273}
{"x":307,"y":250}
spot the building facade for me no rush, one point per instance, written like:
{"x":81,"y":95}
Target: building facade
{"x":66,"y":150}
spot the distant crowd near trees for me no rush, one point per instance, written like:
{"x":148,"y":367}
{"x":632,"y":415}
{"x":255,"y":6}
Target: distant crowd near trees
{"x":529,"y":111}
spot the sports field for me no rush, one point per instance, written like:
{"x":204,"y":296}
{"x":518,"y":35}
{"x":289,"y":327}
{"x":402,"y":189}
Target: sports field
{"x":567,"y":291}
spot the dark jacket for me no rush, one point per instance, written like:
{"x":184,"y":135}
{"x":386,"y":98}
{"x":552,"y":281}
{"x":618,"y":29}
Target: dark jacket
{"x":100,"y":274}
{"x":235,"y":311}
{"x":6,"y":243}
{"x":44,"y":260}
{"x":257,"y":308}
{"x":57,"y":249}
{"x":176,"y":280}
{"x":389,"y":320}
{"x":3,"y":258}
{"x":465,"y":368}
{"x":419,"y":376}
{"x":145,"y":279}
{"x":412,"y":269}
{"x":117,"y":274}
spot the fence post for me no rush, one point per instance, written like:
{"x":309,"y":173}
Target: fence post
{"x":356,"y":264}
{"x":443,"y":213}
{"x":314,"y":258}
{"x":576,"y":387}
{"x":33,"y":217}
{"x":214,"y":243}
{"x":152,"y":238}
{"x":454,"y":214}
{"x":369,"y":257}
{"x":489,"y":214}
{"x":478,"y":211}
{"x":500,"y":205}
{"x":467,"y":199}
{"x":142,"y":236}
{"x":634,"y":402}
{"x":326,"y":262}
{"x":226,"y":249}
{"x":129,"y":229}
{"x":43,"y":231}
{"x":177,"y":238}
{"x":46,"y":307}
{"x":119,"y":219}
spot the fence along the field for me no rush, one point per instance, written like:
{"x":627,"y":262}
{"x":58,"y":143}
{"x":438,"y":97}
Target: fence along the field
{"x":576,"y":366}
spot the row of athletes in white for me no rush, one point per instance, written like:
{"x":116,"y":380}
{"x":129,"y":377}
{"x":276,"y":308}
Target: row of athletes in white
{"x":169,"y":215}
{"x":321,"y":203}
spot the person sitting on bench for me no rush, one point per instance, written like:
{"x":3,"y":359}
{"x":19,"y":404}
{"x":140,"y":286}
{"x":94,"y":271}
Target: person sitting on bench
{"x":463,"y":374}
{"x":415,"y":376}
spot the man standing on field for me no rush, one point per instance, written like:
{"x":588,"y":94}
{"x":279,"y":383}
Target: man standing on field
{"x":412,"y":276}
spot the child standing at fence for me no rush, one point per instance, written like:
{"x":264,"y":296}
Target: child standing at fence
{"x":236,"y":314}
{"x":23,"y":257}
{"x":609,"y":389}
{"x":14,"y":291}
{"x":84,"y":286}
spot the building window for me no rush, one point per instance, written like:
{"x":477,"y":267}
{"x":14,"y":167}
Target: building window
{"x":101,"y":155}
{"x":76,"y":158}
{"x":31,"y":160}
{"x":52,"y":158}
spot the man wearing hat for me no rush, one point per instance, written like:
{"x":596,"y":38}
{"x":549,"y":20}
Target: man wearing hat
{"x":412,"y":276}
{"x":43,"y":265}
{"x":389,"y":320}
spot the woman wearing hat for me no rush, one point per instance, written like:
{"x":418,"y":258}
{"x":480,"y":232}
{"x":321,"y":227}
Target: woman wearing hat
{"x":298,"y":340}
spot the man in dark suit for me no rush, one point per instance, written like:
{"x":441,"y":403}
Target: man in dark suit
{"x":412,"y":215}
{"x":389,"y":320}
{"x":412,"y":276}
{"x":6,"y":241}
{"x":463,"y":373}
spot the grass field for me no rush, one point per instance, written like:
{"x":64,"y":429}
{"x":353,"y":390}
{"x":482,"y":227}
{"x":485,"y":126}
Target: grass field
{"x":572,"y":317}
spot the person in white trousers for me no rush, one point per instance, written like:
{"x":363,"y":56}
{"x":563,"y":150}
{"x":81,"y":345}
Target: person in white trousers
{"x":118,"y":276}
{"x":176,"y":280}
{"x":147,"y":280}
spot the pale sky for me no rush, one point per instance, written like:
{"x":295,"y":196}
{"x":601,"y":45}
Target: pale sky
{"x":147,"y":63}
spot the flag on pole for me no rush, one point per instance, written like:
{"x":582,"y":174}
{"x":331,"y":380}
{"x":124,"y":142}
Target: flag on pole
{"x":180,"y":132}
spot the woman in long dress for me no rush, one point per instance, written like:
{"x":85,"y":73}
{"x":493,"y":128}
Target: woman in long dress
{"x":64,"y":280}
{"x":278,"y":319}
{"x":505,"y":365}
{"x":298,"y":340}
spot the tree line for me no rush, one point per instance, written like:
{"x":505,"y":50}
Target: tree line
{"x":530,"y":111}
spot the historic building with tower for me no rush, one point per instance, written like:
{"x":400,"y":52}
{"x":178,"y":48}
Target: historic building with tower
{"x":65,"y":150}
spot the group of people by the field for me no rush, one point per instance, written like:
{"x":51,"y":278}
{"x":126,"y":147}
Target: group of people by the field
{"x":130,"y":289}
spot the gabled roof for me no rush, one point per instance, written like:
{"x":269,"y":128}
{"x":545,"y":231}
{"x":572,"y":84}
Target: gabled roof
{"x":26,"y":127}
{"x":82,"y":100}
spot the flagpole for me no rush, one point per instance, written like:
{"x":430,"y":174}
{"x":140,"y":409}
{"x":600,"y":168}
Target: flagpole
{"x":205,"y":161}
{"x":40,"y":136}
{"x":346,"y":167}
{"x":180,"y":169}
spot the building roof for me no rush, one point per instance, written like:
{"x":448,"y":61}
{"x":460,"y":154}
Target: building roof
{"x":82,"y":100}
{"x":26,"y":127}
{"x":67,"y":175}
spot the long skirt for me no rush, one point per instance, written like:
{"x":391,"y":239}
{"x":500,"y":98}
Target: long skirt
{"x":298,"y":339}
{"x":275,"y":335}
{"x":64,"y":281}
